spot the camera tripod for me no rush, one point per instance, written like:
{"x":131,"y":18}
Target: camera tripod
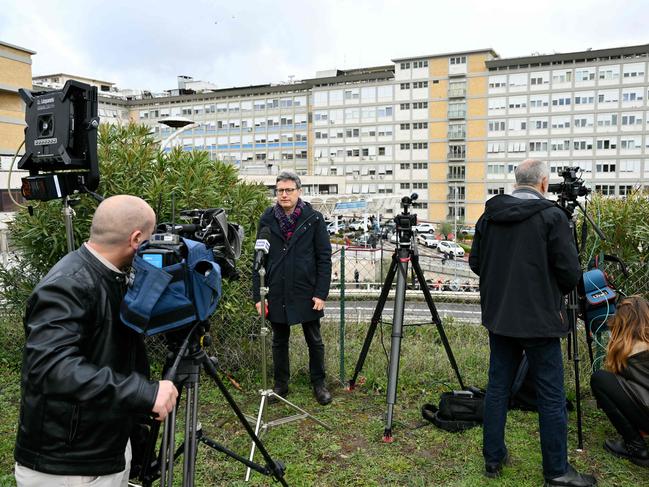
{"x":568,"y":202}
{"x":185,"y":372}
{"x":404,"y":253}
{"x":266,"y":393}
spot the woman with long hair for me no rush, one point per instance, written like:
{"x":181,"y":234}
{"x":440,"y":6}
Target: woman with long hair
{"x":622,"y":390}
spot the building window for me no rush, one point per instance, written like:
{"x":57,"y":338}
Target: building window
{"x":457,"y":60}
{"x":419,"y":165}
{"x":405,"y":66}
{"x":605,"y":189}
{"x":404,"y":86}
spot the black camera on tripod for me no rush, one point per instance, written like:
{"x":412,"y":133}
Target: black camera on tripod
{"x":176,"y":275}
{"x":208,"y":226}
{"x":571,"y":187}
{"x":406,"y":221}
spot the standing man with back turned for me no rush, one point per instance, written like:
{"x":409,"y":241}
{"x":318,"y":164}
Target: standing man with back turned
{"x":524,"y":253}
{"x":298,"y":278}
{"x":85,"y":374}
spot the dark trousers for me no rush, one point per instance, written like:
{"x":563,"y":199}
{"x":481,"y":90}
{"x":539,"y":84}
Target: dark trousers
{"x":546,"y":368}
{"x":281,"y":335}
{"x":626,"y":416}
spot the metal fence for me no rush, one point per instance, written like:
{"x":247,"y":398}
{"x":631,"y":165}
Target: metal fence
{"x":358,"y":275}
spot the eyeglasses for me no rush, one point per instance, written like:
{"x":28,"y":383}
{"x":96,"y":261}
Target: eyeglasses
{"x":285,"y":190}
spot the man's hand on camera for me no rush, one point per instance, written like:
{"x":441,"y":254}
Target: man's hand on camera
{"x":165,"y":401}
{"x":318,"y":304}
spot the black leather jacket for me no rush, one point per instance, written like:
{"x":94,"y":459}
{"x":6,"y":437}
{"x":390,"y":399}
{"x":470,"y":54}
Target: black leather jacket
{"x":84,"y":375}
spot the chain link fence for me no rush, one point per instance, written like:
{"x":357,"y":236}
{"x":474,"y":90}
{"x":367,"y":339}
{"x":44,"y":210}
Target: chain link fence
{"x":358,"y":275}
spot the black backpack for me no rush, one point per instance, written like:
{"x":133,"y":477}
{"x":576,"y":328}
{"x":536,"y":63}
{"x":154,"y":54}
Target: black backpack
{"x":458,"y":410}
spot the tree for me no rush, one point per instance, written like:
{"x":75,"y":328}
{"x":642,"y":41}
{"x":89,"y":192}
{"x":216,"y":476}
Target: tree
{"x":445,"y":229}
{"x":131,"y":162}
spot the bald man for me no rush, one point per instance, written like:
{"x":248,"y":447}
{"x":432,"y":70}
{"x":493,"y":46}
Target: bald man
{"x":85,"y":374}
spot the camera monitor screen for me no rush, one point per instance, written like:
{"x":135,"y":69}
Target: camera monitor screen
{"x":153,"y":259}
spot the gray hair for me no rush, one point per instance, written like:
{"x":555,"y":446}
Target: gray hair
{"x":289,"y":176}
{"x":530,"y":172}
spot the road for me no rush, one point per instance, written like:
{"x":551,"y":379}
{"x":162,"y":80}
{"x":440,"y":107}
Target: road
{"x":416,"y":311}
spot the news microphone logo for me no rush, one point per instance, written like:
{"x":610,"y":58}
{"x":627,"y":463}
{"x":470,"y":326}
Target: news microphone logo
{"x":262,"y":246}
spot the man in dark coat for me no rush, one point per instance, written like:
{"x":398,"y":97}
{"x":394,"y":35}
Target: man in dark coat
{"x":298,"y":275}
{"x":85,"y":374}
{"x":524,"y":253}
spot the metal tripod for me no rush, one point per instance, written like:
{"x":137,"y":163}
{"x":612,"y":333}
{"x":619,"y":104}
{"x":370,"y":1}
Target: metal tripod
{"x":262,"y":426}
{"x":185,"y":372}
{"x":573,"y":311}
{"x":403,"y":254}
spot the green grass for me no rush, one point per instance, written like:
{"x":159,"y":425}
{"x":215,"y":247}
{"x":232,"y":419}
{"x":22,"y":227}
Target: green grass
{"x":352,"y":453}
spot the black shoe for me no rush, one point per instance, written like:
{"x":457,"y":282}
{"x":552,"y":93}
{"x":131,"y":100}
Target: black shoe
{"x":322,"y":395}
{"x":280,"y":391}
{"x":493,"y":470}
{"x":636,"y":451}
{"x":572,"y":478}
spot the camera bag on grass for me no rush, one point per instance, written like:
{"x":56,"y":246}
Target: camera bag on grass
{"x":457,"y":411}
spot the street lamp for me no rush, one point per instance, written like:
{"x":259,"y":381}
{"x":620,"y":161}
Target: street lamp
{"x":455,"y":213}
{"x":182,"y":124}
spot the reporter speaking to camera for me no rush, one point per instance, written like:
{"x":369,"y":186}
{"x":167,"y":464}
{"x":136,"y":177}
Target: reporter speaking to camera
{"x":85,"y":374}
{"x":298,"y":278}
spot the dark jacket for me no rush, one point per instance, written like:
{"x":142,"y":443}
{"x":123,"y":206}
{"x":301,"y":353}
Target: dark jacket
{"x":634,"y":379}
{"x":84,"y":374}
{"x":297,"y":270}
{"x":524,"y":252}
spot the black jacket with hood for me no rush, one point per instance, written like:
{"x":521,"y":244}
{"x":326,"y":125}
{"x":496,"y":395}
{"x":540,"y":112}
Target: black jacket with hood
{"x":524,"y":252}
{"x":297,"y":270}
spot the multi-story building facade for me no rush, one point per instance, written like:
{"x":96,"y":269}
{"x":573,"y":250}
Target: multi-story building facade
{"x":587,"y":109}
{"x":15,"y":73}
{"x":451,"y":127}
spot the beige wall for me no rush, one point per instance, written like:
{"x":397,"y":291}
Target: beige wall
{"x":438,"y":67}
{"x":14,"y":74}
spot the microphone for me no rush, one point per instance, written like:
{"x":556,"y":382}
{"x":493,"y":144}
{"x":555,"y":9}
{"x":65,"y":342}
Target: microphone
{"x":262,"y":246}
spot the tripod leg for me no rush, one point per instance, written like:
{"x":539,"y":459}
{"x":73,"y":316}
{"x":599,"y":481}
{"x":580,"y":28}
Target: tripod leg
{"x":191,"y":422}
{"x":276,"y":468}
{"x":260,"y":417}
{"x":376,"y":317}
{"x":167,"y":453}
{"x":572,"y":319}
{"x":436,"y":319}
{"x":395,"y":346}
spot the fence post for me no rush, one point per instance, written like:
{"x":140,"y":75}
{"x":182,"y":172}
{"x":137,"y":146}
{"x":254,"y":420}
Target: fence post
{"x":341,"y":332}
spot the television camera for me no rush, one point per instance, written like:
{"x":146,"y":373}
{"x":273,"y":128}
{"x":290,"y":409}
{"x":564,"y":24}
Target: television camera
{"x":570,"y":188}
{"x":406,"y":221}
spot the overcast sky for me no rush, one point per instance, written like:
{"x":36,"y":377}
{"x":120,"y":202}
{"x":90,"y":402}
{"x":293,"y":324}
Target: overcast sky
{"x":145,"y":44}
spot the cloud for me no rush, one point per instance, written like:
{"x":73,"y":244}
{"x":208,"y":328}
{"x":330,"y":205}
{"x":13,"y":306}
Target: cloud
{"x":146,"y":44}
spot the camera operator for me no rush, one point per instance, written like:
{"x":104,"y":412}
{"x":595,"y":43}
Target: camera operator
{"x":85,"y":374}
{"x":622,"y":391}
{"x":524,"y":253}
{"x":298,"y":279}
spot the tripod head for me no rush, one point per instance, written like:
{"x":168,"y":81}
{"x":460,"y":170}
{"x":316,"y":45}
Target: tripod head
{"x":405,"y":222}
{"x":569,"y":189}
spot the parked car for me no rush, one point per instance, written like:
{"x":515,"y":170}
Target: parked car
{"x":331,"y":228}
{"x":450,"y":248}
{"x":425,"y":228}
{"x":356,"y":225}
{"x":428,"y":240}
